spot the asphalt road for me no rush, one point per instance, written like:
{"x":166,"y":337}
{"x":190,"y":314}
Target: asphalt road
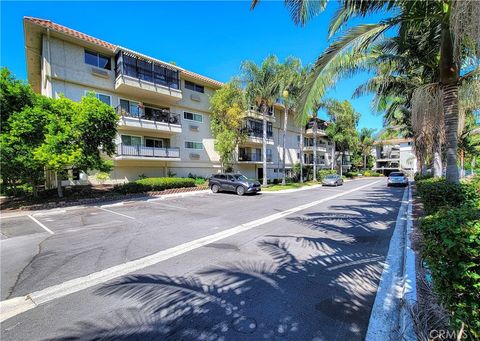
{"x":283,"y":269}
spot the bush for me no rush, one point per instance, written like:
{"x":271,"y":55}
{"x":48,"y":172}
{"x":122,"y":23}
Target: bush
{"x":452,"y":252}
{"x":200,"y":181}
{"x":371,"y":173}
{"x":130,"y":187}
{"x":419,"y":176}
{"x":160,"y":184}
{"x":154,"y":184}
{"x":351,"y":174}
{"x":324,"y":172}
{"x":436,"y":193}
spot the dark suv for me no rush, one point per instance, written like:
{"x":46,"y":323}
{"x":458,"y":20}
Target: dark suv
{"x":237,"y":183}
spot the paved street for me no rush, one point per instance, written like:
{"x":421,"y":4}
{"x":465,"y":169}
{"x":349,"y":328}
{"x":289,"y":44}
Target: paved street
{"x":298,"y":266}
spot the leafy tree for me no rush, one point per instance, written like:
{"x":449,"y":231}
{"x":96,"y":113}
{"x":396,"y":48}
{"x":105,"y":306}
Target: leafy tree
{"x":342,"y":128}
{"x":15,"y":95}
{"x":366,"y":141}
{"x":452,"y":25}
{"x":25,"y":131}
{"x":263,"y":87}
{"x":76,"y":135}
{"x":228,"y":106}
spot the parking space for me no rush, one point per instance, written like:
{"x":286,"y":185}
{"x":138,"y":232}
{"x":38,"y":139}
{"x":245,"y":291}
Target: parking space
{"x":18,"y":226}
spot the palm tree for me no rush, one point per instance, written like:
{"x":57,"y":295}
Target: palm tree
{"x":262,"y":86}
{"x":291,"y":76}
{"x":366,"y":143}
{"x":452,"y":24}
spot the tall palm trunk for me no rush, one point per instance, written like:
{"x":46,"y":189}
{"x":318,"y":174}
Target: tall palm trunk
{"x":301,"y":154}
{"x":285,"y":120}
{"x":264,"y":143}
{"x":437,"y":159}
{"x":332,"y":166}
{"x":364,"y":161}
{"x":449,"y":76}
{"x":315,"y":128}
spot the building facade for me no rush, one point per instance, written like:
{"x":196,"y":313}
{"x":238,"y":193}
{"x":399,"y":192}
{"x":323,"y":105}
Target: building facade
{"x":394,"y":155}
{"x":164,"y":110}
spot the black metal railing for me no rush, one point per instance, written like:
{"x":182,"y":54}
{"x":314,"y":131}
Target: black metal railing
{"x":131,"y":65}
{"x":156,"y":115}
{"x":252,"y":156}
{"x":142,"y":151}
{"x":252,"y":132}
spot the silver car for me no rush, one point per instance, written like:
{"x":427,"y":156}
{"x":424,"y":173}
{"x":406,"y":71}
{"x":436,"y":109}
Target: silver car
{"x":332,"y":180}
{"x":397,"y":179}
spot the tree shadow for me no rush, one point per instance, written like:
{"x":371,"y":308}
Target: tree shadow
{"x":319,"y":284}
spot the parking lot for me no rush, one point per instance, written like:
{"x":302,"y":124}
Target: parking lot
{"x":182,"y":236}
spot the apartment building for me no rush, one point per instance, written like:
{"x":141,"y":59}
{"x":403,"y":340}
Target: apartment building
{"x":164,"y":110}
{"x":394,"y":155}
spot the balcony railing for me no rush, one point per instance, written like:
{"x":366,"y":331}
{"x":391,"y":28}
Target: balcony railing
{"x":253,"y":157}
{"x":142,"y":151}
{"x":252,"y":132}
{"x":156,"y":115}
{"x":131,"y":65}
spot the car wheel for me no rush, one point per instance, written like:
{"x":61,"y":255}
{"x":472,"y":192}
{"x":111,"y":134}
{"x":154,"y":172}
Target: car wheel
{"x":215,"y":189}
{"x":240,"y":190}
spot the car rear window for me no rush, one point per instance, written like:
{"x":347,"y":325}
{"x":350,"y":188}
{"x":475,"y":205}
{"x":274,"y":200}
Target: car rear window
{"x":397,"y":174}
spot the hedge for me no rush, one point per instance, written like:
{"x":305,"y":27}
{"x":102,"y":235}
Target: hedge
{"x":436,"y":193}
{"x":154,"y":184}
{"x":371,"y":173}
{"x":324,"y":172}
{"x":452,"y":252}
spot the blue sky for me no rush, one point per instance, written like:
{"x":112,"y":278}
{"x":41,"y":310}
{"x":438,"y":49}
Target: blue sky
{"x":210,"y":38}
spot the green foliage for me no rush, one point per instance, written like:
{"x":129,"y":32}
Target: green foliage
{"x":452,"y":250}
{"x":15,"y":95}
{"x":102,"y":177}
{"x":343,"y":126}
{"x":437,"y":193}
{"x":227,"y":105}
{"x":324,"y":172}
{"x":419,"y":176}
{"x":154,"y":184}
{"x":351,"y":174}
{"x":200,"y":181}
{"x":371,"y":173}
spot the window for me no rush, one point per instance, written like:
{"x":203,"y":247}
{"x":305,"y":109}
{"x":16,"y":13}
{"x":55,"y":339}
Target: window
{"x":192,"y":117}
{"x":130,"y":107}
{"x":107,"y":99}
{"x":193,"y":145}
{"x":129,"y":140}
{"x":194,"y":87}
{"x":98,"y":60}
{"x":153,"y":143}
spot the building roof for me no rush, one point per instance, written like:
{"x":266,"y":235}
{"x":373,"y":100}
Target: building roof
{"x":87,"y":38}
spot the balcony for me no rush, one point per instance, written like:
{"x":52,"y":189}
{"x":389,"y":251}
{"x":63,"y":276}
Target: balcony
{"x":248,"y":156}
{"x":149,"y":118}
{"x":125,"y":152}
{"x":145,"y":78}
{"x":320,"y":147}
{"x":254,"y":112}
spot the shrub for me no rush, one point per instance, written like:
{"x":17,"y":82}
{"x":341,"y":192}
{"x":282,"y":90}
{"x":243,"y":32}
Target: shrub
{"x":371,"y":173}
{"x":452,"y":252}
{"x":101,"y":177}
{"x":160,"y":184}
{"x":130,"y":187}
{"x":436,"y":193}
{"x":418,"y":176}
{"x":351,"y":174}
{"x":324,"y":172}
{"x":200,"y":181}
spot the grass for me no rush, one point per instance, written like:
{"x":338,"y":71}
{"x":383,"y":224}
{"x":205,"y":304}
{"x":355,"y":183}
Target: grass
{"x":292,"y":185}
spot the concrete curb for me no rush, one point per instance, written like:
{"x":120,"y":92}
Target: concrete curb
{"x":391,"y":317}
{"x":283,"y":191}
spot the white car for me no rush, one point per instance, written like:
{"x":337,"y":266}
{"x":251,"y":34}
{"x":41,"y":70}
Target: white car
{"x":397,"y":179}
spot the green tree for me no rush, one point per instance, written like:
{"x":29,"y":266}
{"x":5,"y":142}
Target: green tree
{"x":228,"y":106}
{"x":366,"y":141}
{"x":342,"y":128}
{"x":263,"y":88}
{"x":453,"y":25}
{"x":25,"y":131}
{"x":15,"y":95}
{"x":292,"y":77}
{"x":76,"y":135}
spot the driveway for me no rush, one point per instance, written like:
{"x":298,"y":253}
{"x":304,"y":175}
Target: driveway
{"x":297,"y":266}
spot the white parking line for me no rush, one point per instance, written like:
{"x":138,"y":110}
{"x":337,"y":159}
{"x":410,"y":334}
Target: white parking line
{"x":120,"y":214}
{"x":41,"y":225}
{"x":17,"y":305}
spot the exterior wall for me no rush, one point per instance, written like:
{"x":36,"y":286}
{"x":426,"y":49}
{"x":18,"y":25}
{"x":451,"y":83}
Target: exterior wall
{"x":64,"y":71}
